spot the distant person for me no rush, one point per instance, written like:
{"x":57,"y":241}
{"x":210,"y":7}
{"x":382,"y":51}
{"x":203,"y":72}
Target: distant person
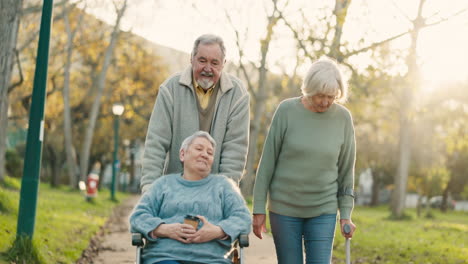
{"x":202,"y":97}
{"x":307,"y":169}
{"x":214,"y":199}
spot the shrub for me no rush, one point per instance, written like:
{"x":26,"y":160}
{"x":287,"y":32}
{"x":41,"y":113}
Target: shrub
{"x":14,"y":163}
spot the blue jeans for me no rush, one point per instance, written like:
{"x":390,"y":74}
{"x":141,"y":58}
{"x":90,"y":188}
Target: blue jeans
{"x":289,"y":232}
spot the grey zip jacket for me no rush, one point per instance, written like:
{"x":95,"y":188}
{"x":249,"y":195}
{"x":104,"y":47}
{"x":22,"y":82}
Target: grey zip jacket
{"x":175,"y":117}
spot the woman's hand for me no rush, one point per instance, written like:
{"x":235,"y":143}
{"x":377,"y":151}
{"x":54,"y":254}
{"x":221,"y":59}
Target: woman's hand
{"x":351,"y":224}
{"x":207,"y":233}
{"x":258,"y":225}
{"x":176,"y":231}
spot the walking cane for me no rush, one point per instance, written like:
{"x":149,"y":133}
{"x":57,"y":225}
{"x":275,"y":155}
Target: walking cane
{"x":347,"y":230}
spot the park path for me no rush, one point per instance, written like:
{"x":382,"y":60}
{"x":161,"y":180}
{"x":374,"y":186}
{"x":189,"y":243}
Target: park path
{"x":115,"y":245}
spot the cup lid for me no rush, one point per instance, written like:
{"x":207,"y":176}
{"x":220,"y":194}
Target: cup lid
{"x":191,"y":217}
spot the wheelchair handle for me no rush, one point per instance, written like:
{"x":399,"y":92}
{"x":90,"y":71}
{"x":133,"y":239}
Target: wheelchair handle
{"x":244,"y":240}
{"x":137,"y":240}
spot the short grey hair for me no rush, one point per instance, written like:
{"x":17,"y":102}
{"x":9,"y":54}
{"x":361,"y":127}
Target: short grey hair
{"x":189,"y":140}
{"x":325,"y":77}
{"x":208,"y":39}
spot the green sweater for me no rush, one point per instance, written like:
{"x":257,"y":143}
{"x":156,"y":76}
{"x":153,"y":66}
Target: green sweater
{"x":308,"y":159}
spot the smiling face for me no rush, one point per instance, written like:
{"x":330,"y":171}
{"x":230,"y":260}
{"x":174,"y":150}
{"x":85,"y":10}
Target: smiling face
{"x":198,"y":157}
{"x":207,"y":65}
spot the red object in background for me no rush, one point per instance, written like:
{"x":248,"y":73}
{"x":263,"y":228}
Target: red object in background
{"x":92,"y":185}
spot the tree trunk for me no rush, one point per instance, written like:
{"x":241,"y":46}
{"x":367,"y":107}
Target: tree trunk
{"x":406,"y":109}
{"x":100,"y":85}
{"x":419,"y":206}
{"x":401,"y":179}
{"x":73,"y":170}
{"x":54,"y":166}
{"x":10,"y":11}
{"x":259,"y":109}
{"x":375,"y":188}
{"x":340,"y":12}
{"x":444,"y":205}
{"x":132,"y":164}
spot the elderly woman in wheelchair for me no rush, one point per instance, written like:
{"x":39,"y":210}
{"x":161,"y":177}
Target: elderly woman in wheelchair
{"x":191,"y":217}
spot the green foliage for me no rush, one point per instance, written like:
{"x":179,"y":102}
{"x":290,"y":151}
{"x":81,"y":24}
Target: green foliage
{"x":464,"y":194}
{"x":7,"y":203}
{"x":63,"y":218}
{"x":429,"y":214}
{"x":13,"y":163}
{"x":431,"y":181}
{"x":10,"y":183}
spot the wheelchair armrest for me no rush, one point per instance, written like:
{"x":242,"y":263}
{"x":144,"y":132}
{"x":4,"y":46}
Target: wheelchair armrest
{"x":137,"y":240}
{"x":243,"y":240}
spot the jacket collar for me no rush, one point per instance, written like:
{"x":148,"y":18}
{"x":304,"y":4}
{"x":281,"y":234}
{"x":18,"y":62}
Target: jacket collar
{"x":225,"y":82}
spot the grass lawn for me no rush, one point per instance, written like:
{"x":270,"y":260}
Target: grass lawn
{"x":64,"y":221}
{"x":441,"y":240}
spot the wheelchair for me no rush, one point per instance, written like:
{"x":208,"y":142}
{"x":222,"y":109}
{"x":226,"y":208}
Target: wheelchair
{"x":235,"y":254}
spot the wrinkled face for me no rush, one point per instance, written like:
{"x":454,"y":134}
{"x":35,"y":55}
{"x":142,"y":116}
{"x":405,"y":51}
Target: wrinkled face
{"x":198,"y":157}
{"x":320,"y":102}
{"x":207,"y":65}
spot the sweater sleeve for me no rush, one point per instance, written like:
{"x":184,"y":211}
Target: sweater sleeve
{"x":144,"y":217}
{"x":270,"y":154}
{"x":237,"y":218}
{"x":346,"y":161}
{"x":158,"y":138}
{"x":235,"y":143}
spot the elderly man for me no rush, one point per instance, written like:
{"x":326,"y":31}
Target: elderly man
{"x":202,"y":97}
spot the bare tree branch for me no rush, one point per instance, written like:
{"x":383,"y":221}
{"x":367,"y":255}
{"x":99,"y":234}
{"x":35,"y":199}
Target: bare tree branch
{"x":295,"y":33}
{"x":26,"y":100}
{"x":18,"y":83}
{"x":375,"y":45}
{"x":401,"y":11}
{"x":444,"y":19}
{"x":313,"y":39}
{"x":35,"y":34}
{"x":241,"y":55}
{"x":38,"y":8}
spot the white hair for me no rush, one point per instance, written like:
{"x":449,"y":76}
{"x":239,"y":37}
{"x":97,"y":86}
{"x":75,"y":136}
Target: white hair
{"x":189,"y":140}
{"x":208,"y":39}
{"x":325,"y":77}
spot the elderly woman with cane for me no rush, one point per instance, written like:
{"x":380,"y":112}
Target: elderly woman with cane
{"x":307,"y":169}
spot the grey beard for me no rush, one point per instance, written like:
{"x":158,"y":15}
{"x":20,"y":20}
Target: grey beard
{"x":205,"y":83}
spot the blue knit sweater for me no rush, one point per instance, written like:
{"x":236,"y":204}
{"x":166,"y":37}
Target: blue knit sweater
{"x":170,"y":198}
